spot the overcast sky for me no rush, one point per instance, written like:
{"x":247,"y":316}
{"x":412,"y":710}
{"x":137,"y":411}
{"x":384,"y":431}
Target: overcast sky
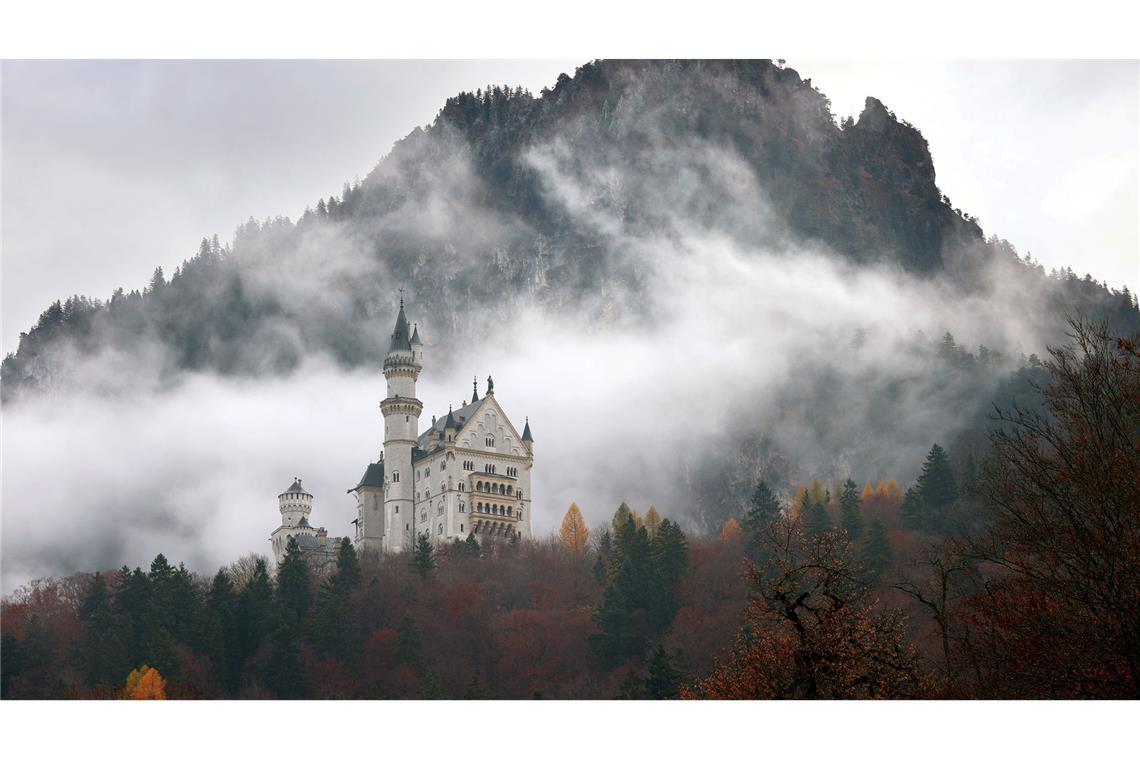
{"x":112,"y":168}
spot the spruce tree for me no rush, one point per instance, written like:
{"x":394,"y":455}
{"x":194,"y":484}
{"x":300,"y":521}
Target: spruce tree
{"x":293,"y":586}
{"x":337,"y":628}
{"x":471,"y":546}
{"x":937,"y":489}
{"x":423,"y":559}
{"x":877,"y":553}
{"x":763,"y":510}
{"x":255,"y":610}
{"x":816,"y":521}
{"x":102,"y":653}
{"x":850,"y":510}
{"x":223,"y":631}
{"x":664,"y":681}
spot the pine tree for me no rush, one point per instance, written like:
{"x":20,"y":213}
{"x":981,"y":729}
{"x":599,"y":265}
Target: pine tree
{"x":347,"y":566}
{"x":937,"y":489}
{"x":664,"y":681}
{"x":223,"y":631}
{"x":764,"y":509}
{"x":423,"y":559}
{"x":337,"y":627}
{"x":255,"y":610}
{"x":102,"y":653}
{"x":471,"y":546}
{"x":293,"y":587}
{"x":816,"y":521}
{"x":850,"y":510}
{"x":622,"y":515}
{"x":877,"y":554}
{"x":573,"y":534}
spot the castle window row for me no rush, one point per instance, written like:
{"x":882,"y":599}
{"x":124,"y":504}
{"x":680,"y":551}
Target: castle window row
{"x":494,"y":488}
{"x":495,"y":509}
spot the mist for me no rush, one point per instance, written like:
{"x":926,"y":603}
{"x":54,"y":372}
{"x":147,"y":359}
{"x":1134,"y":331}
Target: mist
{"x":722,"y":328}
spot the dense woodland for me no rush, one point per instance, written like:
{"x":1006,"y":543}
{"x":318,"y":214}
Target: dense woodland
{"x":1013,"y":576}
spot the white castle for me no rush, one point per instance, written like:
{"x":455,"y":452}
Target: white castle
{"x":469,"y":472}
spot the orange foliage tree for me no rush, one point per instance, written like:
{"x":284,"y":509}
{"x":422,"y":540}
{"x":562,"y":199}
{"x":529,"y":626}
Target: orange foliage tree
{"x":811,"y":630}
{"x":145,"y":683}
{"x":574,"y":534}
{"x":730,"y":531}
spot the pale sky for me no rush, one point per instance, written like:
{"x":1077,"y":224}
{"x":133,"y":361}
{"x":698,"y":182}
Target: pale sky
{"x":112,"y":168}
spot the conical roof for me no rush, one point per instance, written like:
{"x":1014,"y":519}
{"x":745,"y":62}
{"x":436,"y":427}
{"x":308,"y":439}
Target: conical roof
{"x":416,"y":336}
{"x":526,"y":432}
{"x":296,"y":487}
{"x":400,"y":338}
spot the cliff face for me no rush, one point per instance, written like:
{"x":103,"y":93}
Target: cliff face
{"x":508,"y":197}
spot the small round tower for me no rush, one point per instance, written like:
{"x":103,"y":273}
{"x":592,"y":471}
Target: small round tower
{"x":296,"y":504}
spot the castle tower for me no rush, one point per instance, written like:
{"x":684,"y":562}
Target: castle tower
{"x":401,"y":410}
{"x":295,"y":505}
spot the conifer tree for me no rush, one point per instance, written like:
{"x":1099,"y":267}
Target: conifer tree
{"x":471,"y":546}
{"x":763,"y":509}
{"x":816,"y":521}
{"x":664,"y":681}
{"x":336,"y":627}
{"x":293,"y":589}
{"x":850,"y":510}
{"x":423,"y":559}
{"x":937,"y":489}
{"x":223,"y":631}
{"x":102,"y":653}
{"x":573,"y":534}
{"x":255,"y":610}
{"x":877,"y":552}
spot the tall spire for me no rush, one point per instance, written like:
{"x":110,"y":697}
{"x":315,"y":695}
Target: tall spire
{"x":400,"y":337}
{"x":416,"y":335}
{"x":527,"y":437}
{"x":450,"y":423}
{"x":474,"y":389}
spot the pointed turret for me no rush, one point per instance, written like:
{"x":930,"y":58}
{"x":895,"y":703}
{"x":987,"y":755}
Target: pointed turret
{"x":527,"y":437}
{"x":417,"y":346}
{"x":401,"y":341}
{"x":474,"y":389}
{"x":449,"y":423}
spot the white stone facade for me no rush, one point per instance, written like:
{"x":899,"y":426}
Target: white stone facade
{"x":470,"y":471}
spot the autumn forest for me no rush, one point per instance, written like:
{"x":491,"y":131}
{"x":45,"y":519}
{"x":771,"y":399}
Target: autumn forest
{"x":1011,"y":577}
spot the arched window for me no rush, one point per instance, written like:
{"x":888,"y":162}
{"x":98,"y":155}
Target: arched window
{"x":509,"y":489}
{"x":490,"y":441}
{"x":461,"y":509}
{"x":462,"y":486}
{"x":442,"y":465}
{"x":395,"y":477}
{"x":520,"y":514}
{"x":440,"y":530}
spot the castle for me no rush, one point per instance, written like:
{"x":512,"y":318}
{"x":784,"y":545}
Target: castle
{"x":469,"y":472}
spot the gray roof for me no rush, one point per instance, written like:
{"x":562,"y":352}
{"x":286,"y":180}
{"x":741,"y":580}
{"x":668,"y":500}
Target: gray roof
{"x":373,"y":476}
{"x":459,"y":417}
{"x":526,"y":436}
{"x":416,"y":336}
{"x":400,"y":338}
{"x":296,"y":487}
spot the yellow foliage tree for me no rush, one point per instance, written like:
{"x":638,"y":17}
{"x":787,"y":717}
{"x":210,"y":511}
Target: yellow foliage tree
{"x":652,"y":521}
{"x":818,"y":494}
{"x":730,"y":531}
{"x":574,"y":533}
{"x":145,"y":683}
{"x":868,"y":494}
